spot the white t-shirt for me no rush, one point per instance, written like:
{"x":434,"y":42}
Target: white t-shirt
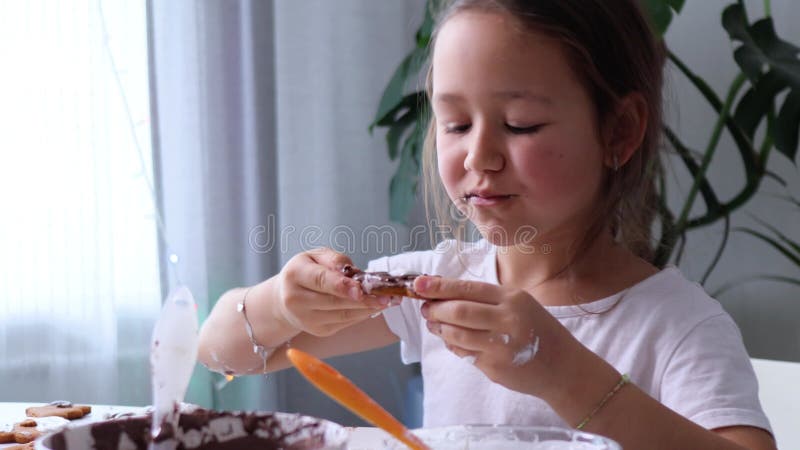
{"x":676,"y":343}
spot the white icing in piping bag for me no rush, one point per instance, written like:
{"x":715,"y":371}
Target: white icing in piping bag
{"x":173,"y":354}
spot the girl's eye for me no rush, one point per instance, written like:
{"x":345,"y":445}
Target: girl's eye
{"x":456,"y":129}
{"x":524,"y":130}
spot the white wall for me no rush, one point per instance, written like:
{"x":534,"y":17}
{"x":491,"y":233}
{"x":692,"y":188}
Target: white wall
{"x":768,"y":313}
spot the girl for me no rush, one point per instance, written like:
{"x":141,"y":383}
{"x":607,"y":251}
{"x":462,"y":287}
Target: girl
{"x":544,"y":135}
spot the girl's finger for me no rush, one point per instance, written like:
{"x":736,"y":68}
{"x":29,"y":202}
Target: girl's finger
{"x":450,"y":288}
{"x":324,"y":302}
{"x":345,"y":317}
{"x":333,"y":328}
{"x":330,"y":258}
{"x":318,"y":278}
{"x":464,"y":313}
{"x":466,"y":355}
{"x":465,"y":338}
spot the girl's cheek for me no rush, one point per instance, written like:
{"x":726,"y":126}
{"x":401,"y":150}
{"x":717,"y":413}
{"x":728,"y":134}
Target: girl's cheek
{"x":553,"y":176}
{"x":451,"y":168}
{"x":560,"y":177}
{"x":541,"y":166}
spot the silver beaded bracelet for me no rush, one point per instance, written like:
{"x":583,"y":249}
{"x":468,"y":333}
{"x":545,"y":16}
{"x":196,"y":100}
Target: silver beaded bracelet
{"x":260,"y":350}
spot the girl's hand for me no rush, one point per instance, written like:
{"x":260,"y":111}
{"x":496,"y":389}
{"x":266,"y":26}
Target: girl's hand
{"x":506,"y":333}
{"x":313,"y":295}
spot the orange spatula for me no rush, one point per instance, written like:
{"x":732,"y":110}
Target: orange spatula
{"x":335,"y":385}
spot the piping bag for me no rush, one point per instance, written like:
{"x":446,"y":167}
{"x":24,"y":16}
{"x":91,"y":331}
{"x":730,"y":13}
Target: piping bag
{"x":173,"y":354}
{"x":338,"y":387}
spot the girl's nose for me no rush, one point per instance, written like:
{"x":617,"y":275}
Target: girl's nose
{"x":483,"y":153}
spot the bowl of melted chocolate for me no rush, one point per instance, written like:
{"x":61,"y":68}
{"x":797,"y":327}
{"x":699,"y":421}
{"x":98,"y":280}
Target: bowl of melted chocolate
{"x":204,"y":429}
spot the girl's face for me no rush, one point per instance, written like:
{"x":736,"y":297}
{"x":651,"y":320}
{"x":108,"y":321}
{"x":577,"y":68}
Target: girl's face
{"x":516,"y":134}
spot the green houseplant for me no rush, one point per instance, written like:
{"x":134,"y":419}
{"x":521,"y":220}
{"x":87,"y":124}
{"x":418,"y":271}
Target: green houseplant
{"x":764,"y":94}
{"x":777,"y":240}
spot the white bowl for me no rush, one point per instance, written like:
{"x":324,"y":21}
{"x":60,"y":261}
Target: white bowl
{"x":506,"y":437}
{"x":205,"y":430}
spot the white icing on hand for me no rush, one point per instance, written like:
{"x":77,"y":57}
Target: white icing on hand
{"x":527,"y":353}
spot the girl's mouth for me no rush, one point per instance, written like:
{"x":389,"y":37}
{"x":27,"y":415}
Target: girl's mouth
{"x":487,"y":200}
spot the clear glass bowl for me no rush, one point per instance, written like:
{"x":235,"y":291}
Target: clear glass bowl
{"x":505,"y":437}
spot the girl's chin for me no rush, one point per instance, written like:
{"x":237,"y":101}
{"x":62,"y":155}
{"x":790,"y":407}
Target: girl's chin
{"x":506,"y":236}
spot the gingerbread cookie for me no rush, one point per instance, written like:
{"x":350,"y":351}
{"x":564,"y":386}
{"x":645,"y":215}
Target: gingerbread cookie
{"x":30,"y":429}
{"x":383,"y":283}
{"x":60,"y":409}
{"x":28,"y":446}
{"x":26,"y":431}
{"x":6,"y":433}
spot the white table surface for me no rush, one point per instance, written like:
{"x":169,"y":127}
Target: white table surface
{"x":361,"y":438}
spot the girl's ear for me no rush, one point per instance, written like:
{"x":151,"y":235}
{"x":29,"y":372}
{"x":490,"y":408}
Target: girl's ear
{"x":624,"y":132}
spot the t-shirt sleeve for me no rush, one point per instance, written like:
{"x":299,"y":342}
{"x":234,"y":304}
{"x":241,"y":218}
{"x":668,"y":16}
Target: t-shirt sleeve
{"x":709,"y":378}
{"x":403,"y":320}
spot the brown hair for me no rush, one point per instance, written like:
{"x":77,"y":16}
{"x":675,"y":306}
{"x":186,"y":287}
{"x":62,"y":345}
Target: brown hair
{"x":614,"y":52}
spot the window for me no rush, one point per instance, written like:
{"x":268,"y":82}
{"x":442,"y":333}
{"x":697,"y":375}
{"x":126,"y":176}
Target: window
{"x":79,"y":272}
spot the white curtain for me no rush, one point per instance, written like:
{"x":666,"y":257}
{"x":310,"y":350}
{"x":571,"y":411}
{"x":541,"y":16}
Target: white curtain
{"x":211,"y":91}
{"x":262,"y":115}
{"x":79,"y":272}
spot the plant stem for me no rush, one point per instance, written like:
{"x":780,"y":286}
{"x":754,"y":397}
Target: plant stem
{"x":710,"y":198}
{"x":681,"y":246}
{"x":753,"y":181}
{"x":767,"y":8}
{"x":712,"y":146}
{"x":745,"y":146}
{"x":720,"y":249}
{"x":768,"y":143}
{"x":698,"y":82}
{"x":666,"y":242}
{"x":726,"y":287}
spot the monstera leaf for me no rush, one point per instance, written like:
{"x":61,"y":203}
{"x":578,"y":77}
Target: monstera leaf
{"x":774,"y":238}
{"x":662,"y":11}
{"x":404,"y":114}
{"x":772,"y":67}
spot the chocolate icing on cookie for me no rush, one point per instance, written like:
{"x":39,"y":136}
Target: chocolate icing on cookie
{"x":383,"y":283}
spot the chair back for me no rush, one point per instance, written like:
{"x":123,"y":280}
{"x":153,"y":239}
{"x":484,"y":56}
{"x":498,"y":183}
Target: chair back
{"x":779,"y":392}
